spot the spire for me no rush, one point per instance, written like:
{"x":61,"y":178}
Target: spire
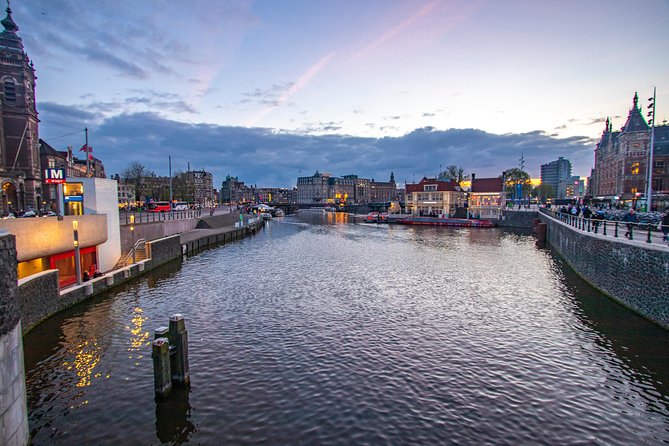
{"x":392,"y":177}
{"x":608,"y":125}
{"x":8,"y":37}
{"x":8,"y":22}
{"x":635,"y":120}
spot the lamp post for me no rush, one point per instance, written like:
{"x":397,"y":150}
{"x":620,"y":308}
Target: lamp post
{"x":649,"y":185}
{"x":132,"y":231}
{"x":77,"y":254}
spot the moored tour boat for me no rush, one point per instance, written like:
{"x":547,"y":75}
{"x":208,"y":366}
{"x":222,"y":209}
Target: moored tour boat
{"x":437,"y":221}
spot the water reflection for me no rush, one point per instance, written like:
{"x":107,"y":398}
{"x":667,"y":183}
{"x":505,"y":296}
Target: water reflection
{"x":641,"y":346}
{"x":173,"y":417}
{"x":333,"y":333}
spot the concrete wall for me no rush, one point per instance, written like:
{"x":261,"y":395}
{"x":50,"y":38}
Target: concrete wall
{"x":154,"y":231}
{"x":517,"y":219}
{"x":101,"y":198}
{"x":633,"y":273}
{"x":13,"y":406}
{"x":43,"y":236}
{"x":218,"y":221}
{"x":164,"y":250}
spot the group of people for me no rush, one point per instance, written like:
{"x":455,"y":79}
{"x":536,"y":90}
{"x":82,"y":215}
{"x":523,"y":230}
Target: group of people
{"x":630,"y":219}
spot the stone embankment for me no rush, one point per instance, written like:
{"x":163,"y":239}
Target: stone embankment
{"x":39,"y":296}
{"x":632,"y":272}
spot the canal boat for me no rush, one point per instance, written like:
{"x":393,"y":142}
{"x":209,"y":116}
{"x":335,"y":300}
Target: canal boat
{"x":437,"y":221}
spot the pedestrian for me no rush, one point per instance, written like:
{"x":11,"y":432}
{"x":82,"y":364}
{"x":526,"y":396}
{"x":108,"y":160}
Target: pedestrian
{"x":586,"y":212}
{"x":630,"y":218}
{"x":665,"y":226}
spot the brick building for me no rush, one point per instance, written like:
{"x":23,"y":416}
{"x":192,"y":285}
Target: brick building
{"x":20,"y":175}
{"x":621,"y":161}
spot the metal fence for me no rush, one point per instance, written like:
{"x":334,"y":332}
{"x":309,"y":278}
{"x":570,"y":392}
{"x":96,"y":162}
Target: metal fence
{"x":150,"y":217}
{"x":649,"y":232}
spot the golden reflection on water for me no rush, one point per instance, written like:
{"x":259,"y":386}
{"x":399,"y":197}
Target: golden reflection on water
{"x":139,"y":337}
{"x":86,"y":358}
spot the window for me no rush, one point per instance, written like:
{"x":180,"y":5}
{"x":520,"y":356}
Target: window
{"x":10,"y":91}
{"x":635,"y":168}
{"x":430,"y":187}
{"x":658,"y":167}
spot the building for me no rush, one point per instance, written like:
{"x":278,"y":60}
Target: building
{"x":202,"y":185}
{"x":434,"y":197}
{"x":576,"y":187}
{"x":313,"y":189}
{"x":621,"y":161}
{"x":20,"y":174}
{"x":557,"y":174}
{"x":348,"y":189}
{"x":383,"y":191}
{"x":48,"y":243}
{"x":486,"y":198}
{"x":126,"y":192}
{"x":73,"y":167}
{"x":235,"y":191}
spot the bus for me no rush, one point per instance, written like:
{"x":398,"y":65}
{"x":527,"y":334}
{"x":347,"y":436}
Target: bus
{"x":158,"y":206}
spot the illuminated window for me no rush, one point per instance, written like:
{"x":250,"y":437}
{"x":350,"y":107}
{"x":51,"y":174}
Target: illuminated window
{"x":635,"y":168}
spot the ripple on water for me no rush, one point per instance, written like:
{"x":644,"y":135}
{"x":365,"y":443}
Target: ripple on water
{"x":354,"y":334}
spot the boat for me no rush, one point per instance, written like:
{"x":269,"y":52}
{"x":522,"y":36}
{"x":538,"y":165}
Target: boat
{"x":437,"y":221}
{"x":376,"y":217}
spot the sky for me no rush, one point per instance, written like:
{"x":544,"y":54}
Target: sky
{"x":270,"y":90}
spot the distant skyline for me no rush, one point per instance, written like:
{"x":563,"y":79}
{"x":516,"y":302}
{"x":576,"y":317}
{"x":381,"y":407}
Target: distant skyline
{"x":268,"y":91}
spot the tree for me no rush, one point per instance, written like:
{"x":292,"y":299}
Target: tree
{"x":515,"y":176}
{"x":543,"y":191}
{"x":456,"y":173}
{"x":136,"y":172}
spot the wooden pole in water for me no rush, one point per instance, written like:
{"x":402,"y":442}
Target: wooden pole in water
{"x":178,"y":337}
{"x":162,"y":378}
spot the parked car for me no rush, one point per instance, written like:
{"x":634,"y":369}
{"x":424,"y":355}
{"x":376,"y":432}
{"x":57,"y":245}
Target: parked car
{"x":180,"y":206}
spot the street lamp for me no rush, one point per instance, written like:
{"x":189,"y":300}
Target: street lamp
{"x":649,"y":185}
{"x":77,"y":254}
{"x":132,"y":231}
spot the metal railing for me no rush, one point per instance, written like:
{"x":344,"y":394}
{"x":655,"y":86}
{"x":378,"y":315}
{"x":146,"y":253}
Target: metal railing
{"x":610,"y":228}
{"x":130,"y":254}
{"x":151,"y":217}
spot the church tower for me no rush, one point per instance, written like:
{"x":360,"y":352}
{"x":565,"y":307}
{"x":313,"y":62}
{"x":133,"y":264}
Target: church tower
{"x":20,"y":174}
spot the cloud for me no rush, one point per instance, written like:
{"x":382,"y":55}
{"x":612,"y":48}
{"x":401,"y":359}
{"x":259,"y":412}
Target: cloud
{"x":276,"y":158}
{"x":295,"y":87}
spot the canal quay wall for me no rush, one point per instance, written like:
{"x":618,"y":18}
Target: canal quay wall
{"x":633,"y":273}
{"x":13,"y":405}
{"x":517,"y":219}
{"x":39,"y":296}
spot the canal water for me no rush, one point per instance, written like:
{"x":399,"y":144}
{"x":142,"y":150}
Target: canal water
{"x":319,"y":331}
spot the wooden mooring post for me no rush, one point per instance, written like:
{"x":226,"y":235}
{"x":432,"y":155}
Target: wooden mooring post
{"x":170,"y":356}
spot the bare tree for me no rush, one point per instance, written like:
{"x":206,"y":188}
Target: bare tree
{"x":456,"y":173}
{"x":135,"y":173}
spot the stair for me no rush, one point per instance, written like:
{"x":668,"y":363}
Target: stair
{"x":140,"y":254}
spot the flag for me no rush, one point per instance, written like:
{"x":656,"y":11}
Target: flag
{"x":86,"y":148}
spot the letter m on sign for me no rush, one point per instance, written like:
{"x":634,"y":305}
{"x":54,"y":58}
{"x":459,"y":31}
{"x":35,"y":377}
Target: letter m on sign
{"x":54,"y":175}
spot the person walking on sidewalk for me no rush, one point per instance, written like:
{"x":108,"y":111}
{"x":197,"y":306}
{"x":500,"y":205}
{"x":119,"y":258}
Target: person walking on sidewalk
{"x":630,"y":219}
{"x":664,"y":226}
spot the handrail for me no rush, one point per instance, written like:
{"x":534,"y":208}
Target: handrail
{"x":129,"y":254}
{"x":608,"y":226}
{"x":151,"y":217}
